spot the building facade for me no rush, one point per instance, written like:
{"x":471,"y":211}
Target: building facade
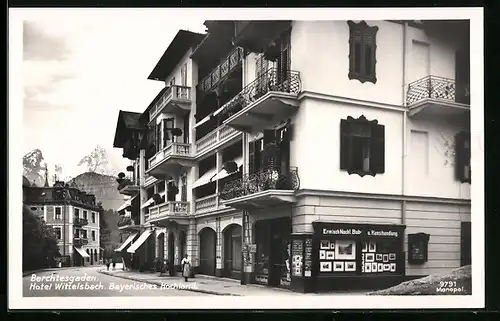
{"x":74,"y":216}
{"x":335,"y":160}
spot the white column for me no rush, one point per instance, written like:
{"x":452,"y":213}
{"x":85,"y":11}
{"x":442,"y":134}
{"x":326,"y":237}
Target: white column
{"x":218,"y":168}
{"x":142,"y":190}
{"x":177,"y":247}
{"x":218,"y":243}
{"x":244,"y":142}
{"x":192,"y":242}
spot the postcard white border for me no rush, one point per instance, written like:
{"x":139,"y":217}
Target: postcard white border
{"x":476,"y":300}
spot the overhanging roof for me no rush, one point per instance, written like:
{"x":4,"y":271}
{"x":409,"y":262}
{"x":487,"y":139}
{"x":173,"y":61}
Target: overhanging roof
{"x":174,"y":53}
{"x":126,"y":120}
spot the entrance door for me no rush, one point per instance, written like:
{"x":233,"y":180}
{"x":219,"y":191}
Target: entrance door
{"x":280,"y":234}
{"x":465,"y":244}
{"x":161,"y":246}
{"x":232,"y":251}
{"x":171,"y":248}
{"x":420,"y":61}
{"x":207,"y":251}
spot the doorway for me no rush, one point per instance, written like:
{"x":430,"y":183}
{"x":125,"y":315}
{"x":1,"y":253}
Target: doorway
{"x":232,"y":251}
{"x":171,"y":248}
{"x":161,"y":246}
{"x":465,"y":244}
{"x":208,"y":239}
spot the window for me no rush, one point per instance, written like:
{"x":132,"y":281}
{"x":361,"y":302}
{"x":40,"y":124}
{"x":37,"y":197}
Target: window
{"x":58,"y":232}
{"x":93,"y":235}
{"x":184,"y":188}
{"x":362,"y":51}
{"x":77,"y":212}
{"x":85,"y":215}
{"x":168,"y":124}
{"x":93,"y":217}
{"x":184,"y":75}
{"x":462,"y":157}
{"x":58,"y":213}
{"x":362,"y":146}
{"x":172,"y":82}
{"x":84,"y":234}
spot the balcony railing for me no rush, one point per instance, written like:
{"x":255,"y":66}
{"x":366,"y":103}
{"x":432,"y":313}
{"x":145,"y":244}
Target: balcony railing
{"x":262,"y":180}
{"x":214,"y":137}
{"x":173,"y":149}
{"x":80,"y":221}
{"x":174,"y":92}
{"x":439,"y":88}
{"x":80,"y":241}
{"x":272,"y":80}
{"x":149,"y":180}
{"x":125,"y":221}
{"x":229,"y":63}
{"x":168,"y":209}
{"x":208,"y":203}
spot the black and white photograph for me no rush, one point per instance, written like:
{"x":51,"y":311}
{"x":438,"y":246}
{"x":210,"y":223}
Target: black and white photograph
{"x":185,"y":153}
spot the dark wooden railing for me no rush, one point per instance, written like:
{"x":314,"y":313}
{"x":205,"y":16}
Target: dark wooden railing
{"x":218,"y":74}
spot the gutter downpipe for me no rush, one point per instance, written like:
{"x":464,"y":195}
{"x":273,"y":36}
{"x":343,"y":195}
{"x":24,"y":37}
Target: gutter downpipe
{"x":405,"y":114}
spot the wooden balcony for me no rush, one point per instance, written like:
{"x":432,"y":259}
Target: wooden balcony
{"x":80,"y":241}
{"x":129,"y":188}
{"x":437,"y":96}
{"x":163,"y":214}
{"x":126,"y":223}
{"x":262,"y":189}
{"x":217,"y":76}
{"x":267,"y":100}
{"x":79,"y":222}
{"x":170,"y":160}
{"x":218,"y":138}
{"x":175,"y":100}
{"x":208,"y":204}
{"x":150,"y":180}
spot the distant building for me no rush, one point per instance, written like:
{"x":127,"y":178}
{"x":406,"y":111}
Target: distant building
{"x":74,"y":216}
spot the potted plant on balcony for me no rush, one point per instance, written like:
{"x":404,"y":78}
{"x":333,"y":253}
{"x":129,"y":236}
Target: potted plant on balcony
{"x":130,"y":168}
{"x":157,"y":199}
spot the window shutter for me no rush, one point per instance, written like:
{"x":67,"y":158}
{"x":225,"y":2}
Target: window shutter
{"x":251,"y":157}
{"x":377,"y":149}
{"x":345,"y":145}
{"x":462,"y":157}
{"x":166,"y":138}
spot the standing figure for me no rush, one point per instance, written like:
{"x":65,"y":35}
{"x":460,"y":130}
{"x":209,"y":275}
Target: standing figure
{"x":186,"y":267}
{"x":107,"y":264}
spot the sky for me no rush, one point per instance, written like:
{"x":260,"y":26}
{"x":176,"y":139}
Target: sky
{"x":80,"y":70}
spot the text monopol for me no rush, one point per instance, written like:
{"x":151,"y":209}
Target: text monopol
{"x":58,"y":278}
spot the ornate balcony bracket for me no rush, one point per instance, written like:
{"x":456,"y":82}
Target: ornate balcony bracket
{"x":267,"y":179}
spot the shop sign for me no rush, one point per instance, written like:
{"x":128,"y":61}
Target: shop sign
{"x":359,"y":232}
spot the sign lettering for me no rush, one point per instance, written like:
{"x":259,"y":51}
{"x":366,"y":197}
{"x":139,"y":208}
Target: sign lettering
{"x":359,"y":232}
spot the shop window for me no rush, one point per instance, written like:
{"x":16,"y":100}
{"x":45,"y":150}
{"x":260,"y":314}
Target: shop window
{"x":337,"y":256}
{"x":362,"y":52}
{"x":362,"y":146}
{"x":418,"y":248}
{"x":462,"y":157}
{"x":262,"y":253}
{"x":380,"y":256}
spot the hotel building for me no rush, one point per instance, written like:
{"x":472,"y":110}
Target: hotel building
{"x":311,"y":155}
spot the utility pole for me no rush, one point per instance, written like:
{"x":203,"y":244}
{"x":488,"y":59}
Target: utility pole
{"x":64,"y":193}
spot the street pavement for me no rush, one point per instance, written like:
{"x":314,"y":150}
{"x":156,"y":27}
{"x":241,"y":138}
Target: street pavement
{"x":88,"y":282}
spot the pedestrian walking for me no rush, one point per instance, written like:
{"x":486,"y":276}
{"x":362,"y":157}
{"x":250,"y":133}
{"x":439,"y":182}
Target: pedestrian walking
{"x":107,"y":264}
{"x":186,"y":268}
{"x":114,"y":264}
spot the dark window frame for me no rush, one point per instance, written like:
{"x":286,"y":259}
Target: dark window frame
{"x":93,"y":218}
{"x":375,"y":143}
{"x":58,"y":216}
{"x":462,"y":157}
{"x":58,"y":234}
{"x":93,"y":235}
{"x":362,"y":52}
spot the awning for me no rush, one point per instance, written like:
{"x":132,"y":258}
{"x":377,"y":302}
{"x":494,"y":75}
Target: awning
{"x":126,"y":204}
{"x":223,"y":173}
{"x":144,"y":236}
{"x":150,"y":201}
{"x":81,"y":252}
{"x":205,"y":178}
{"x":127,"y":242}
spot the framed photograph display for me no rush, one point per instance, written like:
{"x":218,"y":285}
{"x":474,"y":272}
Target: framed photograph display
{"x":392,"y":256}
{"x":345,"y":250}
{"x":350,"y":266}
{"x":338,"y":266}
{"x":332,"y":246}
{"x":322,"y":254}
{"x":387,"y":267}
{"x":386,"y":258}
{"x":330,"y":255}
{"x":378,"y":257}
{"x":325,"y":266}
{"x":370,"y":257}
{"x":364,"y":247}
{"x":368,"y":267}
{"x":393,"y":267}
{"x":372,"y":247}
{"x":374,"y":267}
{"x":380,"y":267}
{"x":324,"y":245}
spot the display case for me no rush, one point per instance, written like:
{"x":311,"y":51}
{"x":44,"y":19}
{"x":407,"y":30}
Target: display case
{"x":418,"y":248}
{"x":301,"y":262}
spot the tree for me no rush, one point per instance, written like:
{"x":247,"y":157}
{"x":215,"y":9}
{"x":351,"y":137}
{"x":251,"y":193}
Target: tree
{"x":39,"y":242}
{"x":96,"y":161}
{"x":34,"y":167}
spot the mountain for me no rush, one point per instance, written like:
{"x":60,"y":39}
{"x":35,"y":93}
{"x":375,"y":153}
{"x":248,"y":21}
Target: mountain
{"x":34,"y":167}
{"x":104,"y":187}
